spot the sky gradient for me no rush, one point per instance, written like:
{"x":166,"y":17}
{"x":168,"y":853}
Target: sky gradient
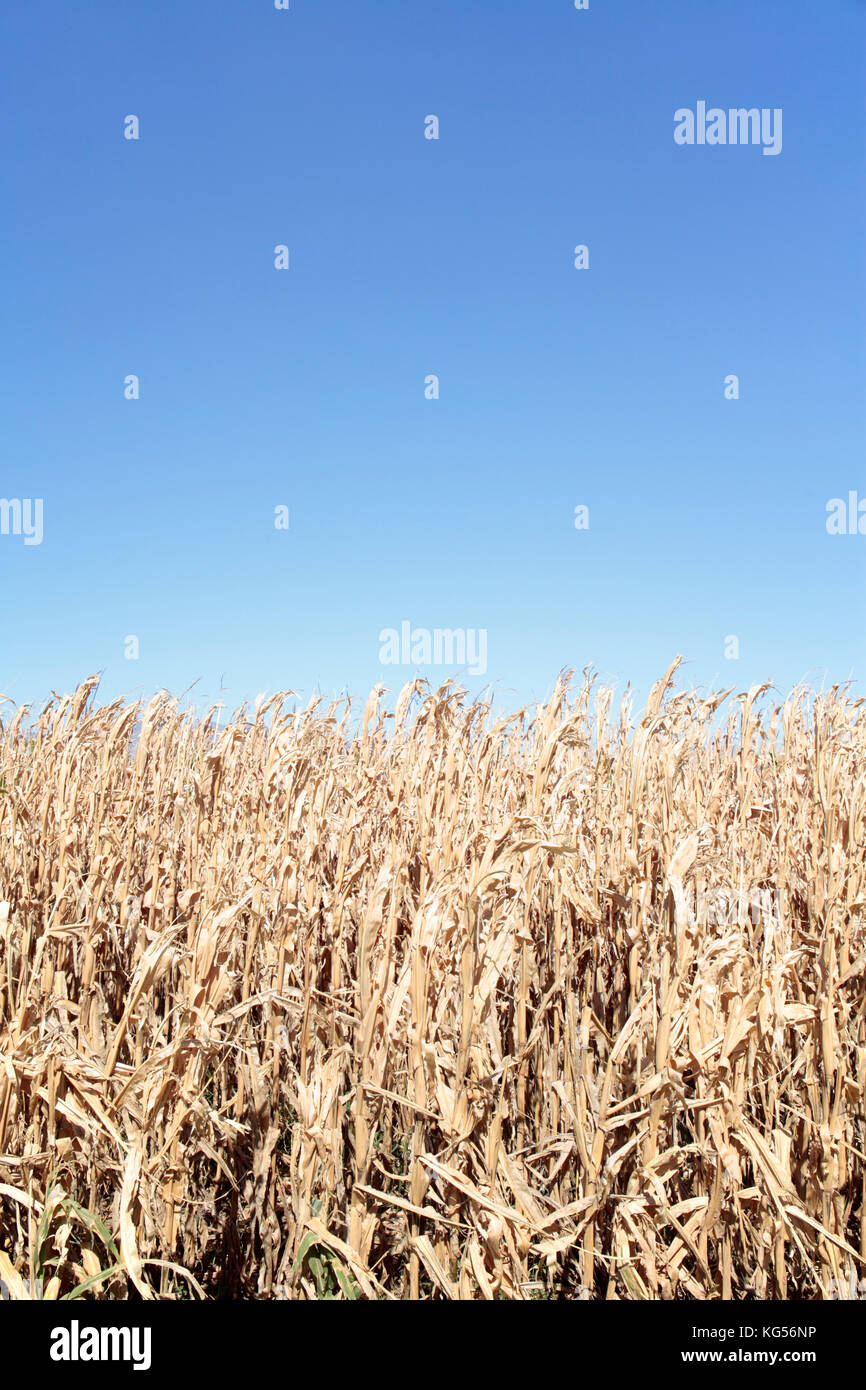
{"x":305,"y":387}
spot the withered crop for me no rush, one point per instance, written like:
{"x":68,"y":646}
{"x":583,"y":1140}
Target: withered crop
{"x":441,"y":1005}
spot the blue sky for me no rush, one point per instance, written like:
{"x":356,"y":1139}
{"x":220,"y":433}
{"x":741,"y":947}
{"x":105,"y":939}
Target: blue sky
{"x":409,"y":257}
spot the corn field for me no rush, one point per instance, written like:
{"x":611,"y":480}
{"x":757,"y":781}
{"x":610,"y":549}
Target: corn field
{"x":434,"y":1003}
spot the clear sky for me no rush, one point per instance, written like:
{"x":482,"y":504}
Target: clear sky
{"x":409,"y":257}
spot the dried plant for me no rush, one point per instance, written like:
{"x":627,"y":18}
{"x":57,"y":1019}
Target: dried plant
{"x":441,"y":1005}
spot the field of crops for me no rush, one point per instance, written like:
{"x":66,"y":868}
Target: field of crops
{"x":434,"y":1003}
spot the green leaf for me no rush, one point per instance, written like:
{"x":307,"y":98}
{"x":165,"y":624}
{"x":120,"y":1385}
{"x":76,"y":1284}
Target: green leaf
{"x":81,"y":1289}
{"x":346,"y":1282}
{"x":304,"y":1249}
{"x":93,"y":1222}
